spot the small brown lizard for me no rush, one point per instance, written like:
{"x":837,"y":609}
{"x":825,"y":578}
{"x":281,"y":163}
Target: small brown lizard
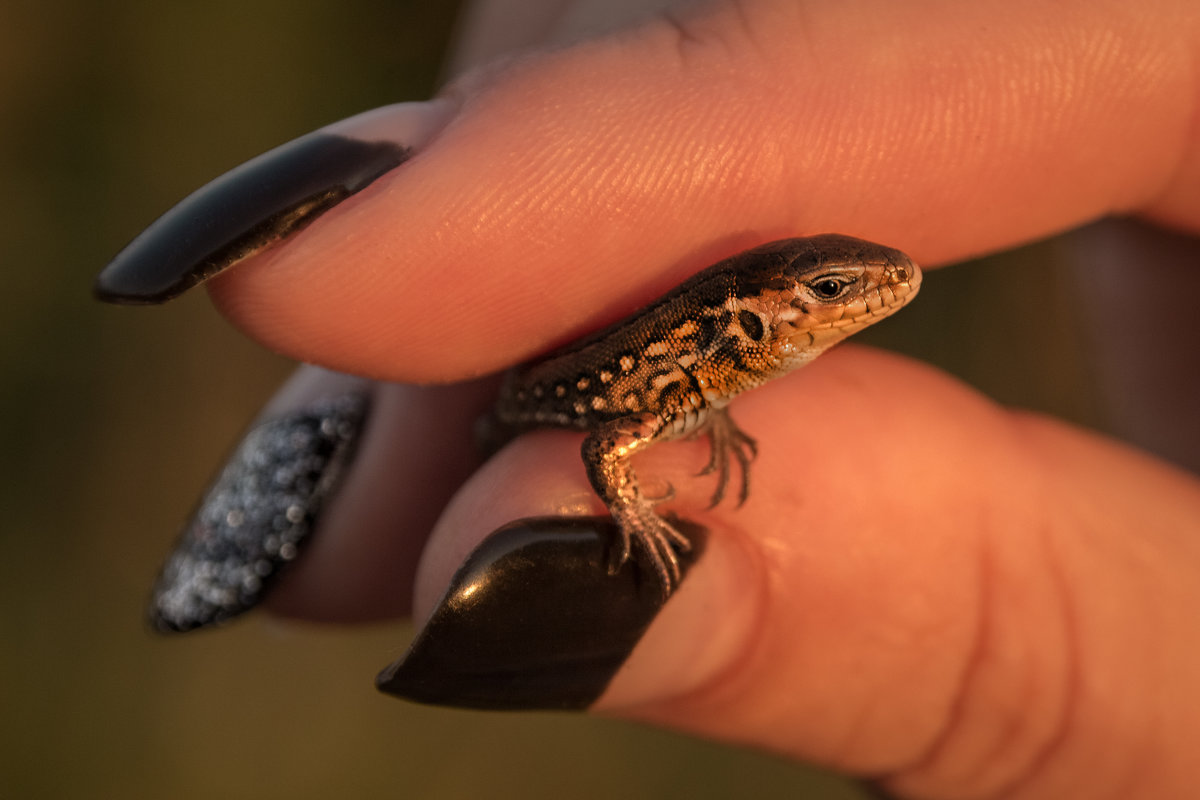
{"x":671,"y":369}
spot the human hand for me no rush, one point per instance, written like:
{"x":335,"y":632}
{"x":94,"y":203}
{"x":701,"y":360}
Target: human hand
{"x":926,"y":588}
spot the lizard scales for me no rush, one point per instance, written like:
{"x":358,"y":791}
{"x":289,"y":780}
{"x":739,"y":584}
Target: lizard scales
{"x":670,"y":369}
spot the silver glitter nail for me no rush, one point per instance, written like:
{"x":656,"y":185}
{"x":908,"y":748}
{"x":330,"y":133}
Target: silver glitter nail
{"x":255,"y":516}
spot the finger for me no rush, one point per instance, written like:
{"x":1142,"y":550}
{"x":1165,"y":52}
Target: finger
{"x":414,"y":453}
{"x":323,"y":508}
{"x":523,"y":220}
{"x":948,"y":615}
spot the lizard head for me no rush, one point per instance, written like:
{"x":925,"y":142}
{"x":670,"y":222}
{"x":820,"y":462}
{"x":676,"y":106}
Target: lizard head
{"x":811,"y":293}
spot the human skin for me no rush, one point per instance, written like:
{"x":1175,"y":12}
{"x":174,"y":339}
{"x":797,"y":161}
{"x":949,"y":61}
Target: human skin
{"x":954,"y":598}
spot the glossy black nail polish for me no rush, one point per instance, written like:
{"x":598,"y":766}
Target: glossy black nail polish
{"x":534,"y":620}
{"x":254,"y":518}
{"x":243,"y":212}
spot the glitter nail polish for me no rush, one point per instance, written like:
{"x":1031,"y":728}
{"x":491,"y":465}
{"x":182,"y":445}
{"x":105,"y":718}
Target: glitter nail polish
{"x":254,"y":518}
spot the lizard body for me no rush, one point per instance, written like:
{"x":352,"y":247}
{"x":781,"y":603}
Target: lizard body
{"x":670,"y":369}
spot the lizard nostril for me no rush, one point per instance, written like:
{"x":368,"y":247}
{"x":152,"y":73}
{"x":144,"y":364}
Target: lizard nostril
{"x":905,"y":271}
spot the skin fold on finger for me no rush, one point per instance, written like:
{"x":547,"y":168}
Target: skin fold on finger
{"x":980,"y":128}
{"x":1009,"y":637}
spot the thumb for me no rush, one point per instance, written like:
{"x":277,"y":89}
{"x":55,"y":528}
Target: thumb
{"x":565,"y":188}
{"x":965,"y":613}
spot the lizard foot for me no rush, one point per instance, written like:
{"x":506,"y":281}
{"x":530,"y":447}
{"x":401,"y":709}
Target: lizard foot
{"x":726,"y":438}
{"x":658,"y":540}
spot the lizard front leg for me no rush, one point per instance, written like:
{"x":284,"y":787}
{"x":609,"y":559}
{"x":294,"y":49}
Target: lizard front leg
{"x":606,"y":455}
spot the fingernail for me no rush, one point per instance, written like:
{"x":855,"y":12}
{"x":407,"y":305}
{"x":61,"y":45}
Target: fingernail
{"x":242,"y":213}
{"x":254,"y":518}
{"x":261,"y":203}
{"x":534,"y":620}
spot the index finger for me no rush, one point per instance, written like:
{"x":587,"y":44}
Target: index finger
{"x":571,"y":186}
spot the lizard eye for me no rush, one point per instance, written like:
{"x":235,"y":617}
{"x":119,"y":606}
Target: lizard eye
{"x":829,"y":287}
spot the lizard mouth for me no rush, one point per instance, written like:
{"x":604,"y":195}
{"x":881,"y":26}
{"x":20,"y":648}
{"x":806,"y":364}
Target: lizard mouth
{"x":818,"y":328}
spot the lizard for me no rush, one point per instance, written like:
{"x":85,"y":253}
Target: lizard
{"x":671,"y":369}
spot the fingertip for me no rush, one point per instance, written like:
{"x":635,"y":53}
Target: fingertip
{"x":535,"y":618}
{"x":699,"y":639}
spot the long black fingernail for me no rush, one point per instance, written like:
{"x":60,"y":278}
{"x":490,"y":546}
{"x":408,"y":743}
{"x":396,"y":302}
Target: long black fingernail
{"x":255,"y":516}
{"x":534,"y":620}
{"x":243,"y":212}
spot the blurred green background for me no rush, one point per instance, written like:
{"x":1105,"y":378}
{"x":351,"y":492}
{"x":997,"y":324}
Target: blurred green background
{"x":116,"y":417}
